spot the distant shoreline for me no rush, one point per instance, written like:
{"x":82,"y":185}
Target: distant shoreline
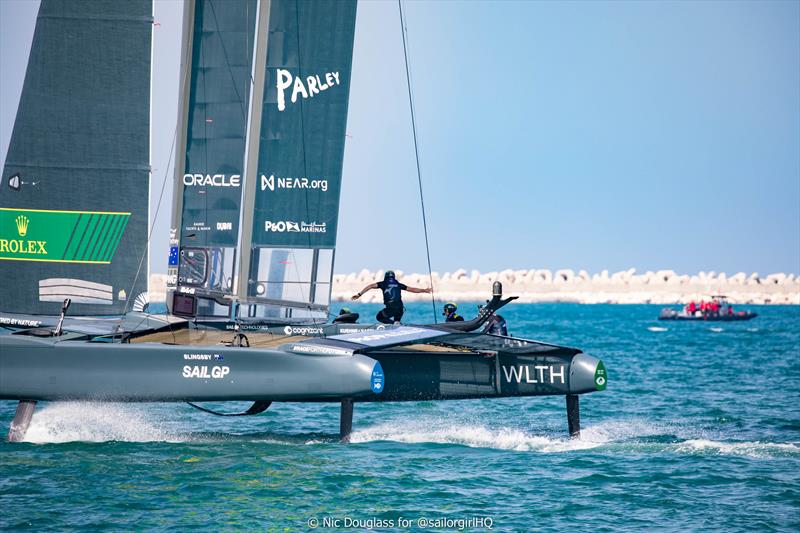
{"x":624,"y":287}
{"x":540,"y":285}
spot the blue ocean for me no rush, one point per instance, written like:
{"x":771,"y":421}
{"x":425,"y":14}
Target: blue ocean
{"x":699,"y":429}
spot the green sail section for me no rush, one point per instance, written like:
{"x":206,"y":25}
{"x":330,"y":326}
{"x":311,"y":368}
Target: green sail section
{"x":221,"y":66}
{"x":302,"y":139}
{"x":74,"y":187}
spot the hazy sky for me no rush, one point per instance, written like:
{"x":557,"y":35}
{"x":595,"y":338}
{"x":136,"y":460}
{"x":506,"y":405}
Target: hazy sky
{"x":552,"y":135}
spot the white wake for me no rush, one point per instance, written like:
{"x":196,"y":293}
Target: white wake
{"x":96,"y":422}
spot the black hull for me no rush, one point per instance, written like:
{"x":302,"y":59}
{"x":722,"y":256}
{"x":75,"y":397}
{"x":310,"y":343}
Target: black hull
{"x":429,"y":376}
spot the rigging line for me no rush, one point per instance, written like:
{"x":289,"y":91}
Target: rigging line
{"x":155,"y":217}
{"x":416,"y":153}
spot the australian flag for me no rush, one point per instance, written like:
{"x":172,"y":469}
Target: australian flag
{"x":173,"y":256}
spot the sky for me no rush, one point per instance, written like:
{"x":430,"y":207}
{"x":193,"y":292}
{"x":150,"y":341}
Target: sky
{"x":584,"y":135}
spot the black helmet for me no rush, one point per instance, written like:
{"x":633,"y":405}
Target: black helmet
{"x":388,"y":275}
{"x":449,"y":308}
{"x":345,"y":311}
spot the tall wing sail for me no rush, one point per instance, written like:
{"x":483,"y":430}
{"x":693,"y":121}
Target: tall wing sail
{"x":219,"y":35}
{"x":299,"y":170}
{"x":74,"y":188}
{"x":275,"y":133}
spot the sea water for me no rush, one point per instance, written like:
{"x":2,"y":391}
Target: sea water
{"x":699,"y":429}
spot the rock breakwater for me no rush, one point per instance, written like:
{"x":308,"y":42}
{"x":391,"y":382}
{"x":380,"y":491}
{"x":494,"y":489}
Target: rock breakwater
{"x":566,"y":285}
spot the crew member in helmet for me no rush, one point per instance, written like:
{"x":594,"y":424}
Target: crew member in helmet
{"x":496,"y":326}
{"x":392,"y":297}
{"x":450,"y":314}
{"x":346,"y":316}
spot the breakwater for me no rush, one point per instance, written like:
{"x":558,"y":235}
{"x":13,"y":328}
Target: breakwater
{"x":542,"y":285}
{"x":624,"y":287}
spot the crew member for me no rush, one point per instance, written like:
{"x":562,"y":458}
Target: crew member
{"x":496,"y":326}
{"x":450,"y":314}
{"x":392,"y":289}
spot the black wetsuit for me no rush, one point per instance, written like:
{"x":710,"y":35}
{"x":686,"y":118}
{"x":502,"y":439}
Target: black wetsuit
{"x":454,"y":317}
{"x":393,"y":300}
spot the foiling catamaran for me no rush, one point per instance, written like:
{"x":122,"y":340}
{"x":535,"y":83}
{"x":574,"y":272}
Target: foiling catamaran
{"x":259,"y":142}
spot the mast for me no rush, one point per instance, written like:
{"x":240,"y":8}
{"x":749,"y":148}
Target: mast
{"x":241,"y":287}
{"x":180,"y":147}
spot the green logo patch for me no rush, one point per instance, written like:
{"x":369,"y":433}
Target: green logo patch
{"x":60,"y":236}
{"x":600,"y":376}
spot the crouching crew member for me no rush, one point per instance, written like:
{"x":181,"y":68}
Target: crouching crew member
{"x":392,"y":289}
